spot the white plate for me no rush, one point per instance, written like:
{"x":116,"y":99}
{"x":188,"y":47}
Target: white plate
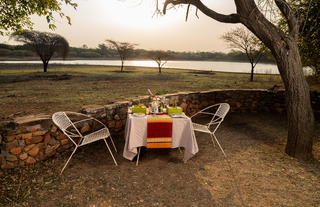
{"x":177,"y":115}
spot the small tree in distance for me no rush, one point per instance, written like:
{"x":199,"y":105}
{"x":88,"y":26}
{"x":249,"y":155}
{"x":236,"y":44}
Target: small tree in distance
{"x":45,"y":44}
{"x":160,"y":57}
{"x":124,"y":50}
{"x":243,"y":40}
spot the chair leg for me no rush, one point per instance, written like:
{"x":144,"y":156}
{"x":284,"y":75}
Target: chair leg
{"x":65,"y":165}
{"x":219,"y":145}
{"x":114,"y":160}
{"x":214,"y":144}
{"x":114,"y":146}
{"x":137,"y":163}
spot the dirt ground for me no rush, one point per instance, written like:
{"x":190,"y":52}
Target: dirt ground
{"x":261,"y":174}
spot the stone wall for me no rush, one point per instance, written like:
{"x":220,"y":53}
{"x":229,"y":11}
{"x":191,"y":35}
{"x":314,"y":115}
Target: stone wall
{"x":26,"y":140}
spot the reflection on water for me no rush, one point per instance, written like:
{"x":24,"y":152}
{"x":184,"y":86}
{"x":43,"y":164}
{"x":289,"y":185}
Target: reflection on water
{"x":142,"y":63}
{"x":240,"y":67}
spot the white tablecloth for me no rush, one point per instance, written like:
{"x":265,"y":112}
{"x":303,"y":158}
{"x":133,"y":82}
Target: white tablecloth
{"x":182,"y":136}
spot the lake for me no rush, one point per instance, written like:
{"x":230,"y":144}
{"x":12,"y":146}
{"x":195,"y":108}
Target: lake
{"x":239,"y":67}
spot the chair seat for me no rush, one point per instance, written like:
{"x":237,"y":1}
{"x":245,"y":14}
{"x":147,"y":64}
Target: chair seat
{"x":200,"y":128}
{"x":100,"y":134}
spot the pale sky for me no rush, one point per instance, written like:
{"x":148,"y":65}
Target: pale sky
{"x":94,"y":21}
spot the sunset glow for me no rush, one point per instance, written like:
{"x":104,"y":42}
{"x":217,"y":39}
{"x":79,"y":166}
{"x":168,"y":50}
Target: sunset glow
{"x":134,"y":21}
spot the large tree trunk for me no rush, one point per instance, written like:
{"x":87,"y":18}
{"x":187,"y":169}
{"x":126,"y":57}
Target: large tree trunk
{"x":299,"y":110}
{"x":285,"y":50}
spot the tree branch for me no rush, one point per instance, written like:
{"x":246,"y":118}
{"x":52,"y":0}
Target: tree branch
{"x":187,"y":12}
{"x":292,"y":21}
{"x":231,"y":18}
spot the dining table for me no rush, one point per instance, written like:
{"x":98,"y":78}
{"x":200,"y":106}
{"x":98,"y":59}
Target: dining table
{"x":136,"y":131}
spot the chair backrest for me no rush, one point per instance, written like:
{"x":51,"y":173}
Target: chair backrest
{"x":61,"y":120}
{"x":218,"y":117}
{"x":222,"y":110}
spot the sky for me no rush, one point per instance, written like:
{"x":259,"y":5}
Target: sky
{"x":94,"y":21}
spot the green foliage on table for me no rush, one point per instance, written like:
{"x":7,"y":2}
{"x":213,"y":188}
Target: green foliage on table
{"x":139,"y":109}
{"x":174,"y":110}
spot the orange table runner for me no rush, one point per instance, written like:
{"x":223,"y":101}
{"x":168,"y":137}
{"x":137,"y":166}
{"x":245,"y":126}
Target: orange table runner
{"x":159,"y":131}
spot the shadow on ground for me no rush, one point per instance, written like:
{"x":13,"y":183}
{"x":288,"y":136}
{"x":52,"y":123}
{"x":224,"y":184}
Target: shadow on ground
{"x":260,"y":174}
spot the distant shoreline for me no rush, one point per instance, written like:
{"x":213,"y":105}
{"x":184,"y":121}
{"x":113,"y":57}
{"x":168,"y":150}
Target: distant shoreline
{"x":213,"y":66}
{"x":115,"y":59}
{"x":54,"y":65}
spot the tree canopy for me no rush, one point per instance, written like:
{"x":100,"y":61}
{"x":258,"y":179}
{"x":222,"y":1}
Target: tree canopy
{"x":44,"y":44}
{"x":160,"y":57}
{"x":124,"y":49}
{"x":15,"y":14}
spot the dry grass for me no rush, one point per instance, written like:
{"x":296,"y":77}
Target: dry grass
{"x":27,"y":90}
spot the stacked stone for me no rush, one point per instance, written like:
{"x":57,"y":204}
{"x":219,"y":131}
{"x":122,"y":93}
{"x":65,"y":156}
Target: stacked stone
{"x":28,"y":144}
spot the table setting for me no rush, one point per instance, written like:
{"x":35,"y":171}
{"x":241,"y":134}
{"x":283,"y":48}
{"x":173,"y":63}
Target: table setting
{"x":158,"y":125}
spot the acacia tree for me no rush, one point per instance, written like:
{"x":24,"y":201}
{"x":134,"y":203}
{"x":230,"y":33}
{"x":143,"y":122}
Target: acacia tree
{"x":45,"y":44}
{"x":124,"y":50}
{"x":243,"y":40}
{"x":284,"y":48}
{"x":15,"y":14}
{"x":160,"y":57}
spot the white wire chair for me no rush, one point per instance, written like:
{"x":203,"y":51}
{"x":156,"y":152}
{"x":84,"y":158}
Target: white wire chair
{"x":212,"y":126}
{"x":69,"y":128}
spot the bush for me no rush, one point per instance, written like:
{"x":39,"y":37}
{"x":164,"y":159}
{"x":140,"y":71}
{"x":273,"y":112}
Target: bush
{"x":22,"y":53}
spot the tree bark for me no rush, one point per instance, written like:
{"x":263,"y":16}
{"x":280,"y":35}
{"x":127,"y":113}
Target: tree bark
{"x":285,"y":50}
{"x":299,"y":110}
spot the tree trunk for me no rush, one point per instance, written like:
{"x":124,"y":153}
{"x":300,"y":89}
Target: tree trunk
{"x":284,"y":48}
{"x":159,"y":66}
{"x":45,"y":66}
{"x":299,"y":111}
{"x":252,"y":70}
{"x":121,"y":66}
